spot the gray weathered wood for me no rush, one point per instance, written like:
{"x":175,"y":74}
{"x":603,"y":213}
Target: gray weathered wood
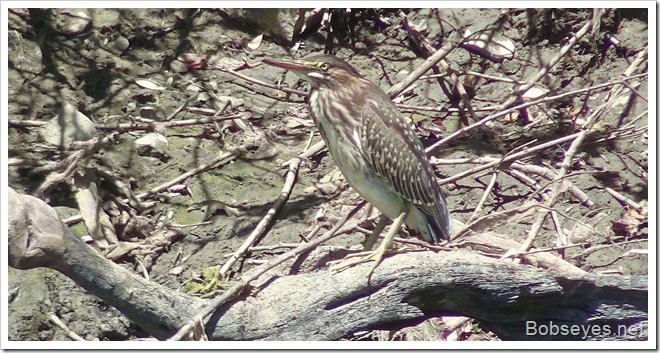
{"x":410,"y":287}
{"x":319,"y":305}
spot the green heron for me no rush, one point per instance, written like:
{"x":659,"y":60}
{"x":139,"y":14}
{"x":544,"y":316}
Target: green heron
{"x":376,"y":150}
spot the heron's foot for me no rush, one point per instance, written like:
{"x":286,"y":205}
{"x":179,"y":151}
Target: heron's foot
{"x":360,"y":257}
{"x":355,"y":259}
{"x":366,"y":256}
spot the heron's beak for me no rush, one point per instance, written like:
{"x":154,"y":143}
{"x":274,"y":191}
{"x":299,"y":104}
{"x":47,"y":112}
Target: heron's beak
{"x":293,"y":65}
{"x":301,"y":68}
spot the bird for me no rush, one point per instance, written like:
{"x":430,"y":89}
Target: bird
{"x":375,"y":148}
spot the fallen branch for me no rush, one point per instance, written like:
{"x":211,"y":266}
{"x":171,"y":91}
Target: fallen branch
{"x":308,"y":302}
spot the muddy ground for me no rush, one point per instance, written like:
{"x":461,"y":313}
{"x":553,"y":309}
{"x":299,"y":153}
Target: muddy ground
{"x":152,"y":67}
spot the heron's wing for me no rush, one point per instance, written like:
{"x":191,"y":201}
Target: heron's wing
{"x":395,"y":153}
{"x":398,"y":157}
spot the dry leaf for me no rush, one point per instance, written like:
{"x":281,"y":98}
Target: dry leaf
{"x":512,"y":117}
{"x":485,"y":45}
{"x":535,"y":93}
{"x":210,"y":207}
{"x":256,"y":42}
{"x":116,"y":251}
{"x":296,"y":123}
{"x":176,"y":270}
{"x":148,"y":84}
{"x":181,"y":189}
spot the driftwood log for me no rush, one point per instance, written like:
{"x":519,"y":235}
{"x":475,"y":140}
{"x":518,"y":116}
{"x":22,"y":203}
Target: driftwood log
{"x":516,"y":302}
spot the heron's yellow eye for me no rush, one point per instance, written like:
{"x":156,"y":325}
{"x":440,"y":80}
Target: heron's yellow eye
{"x":324,"y":66}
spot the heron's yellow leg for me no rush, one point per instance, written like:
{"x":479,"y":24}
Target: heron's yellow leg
{"x":373,"y":237}
{"x":375,"y":255}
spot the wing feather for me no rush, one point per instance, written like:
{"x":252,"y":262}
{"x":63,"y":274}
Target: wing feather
{"x":387,"y":141}
{"x":398,"y":157}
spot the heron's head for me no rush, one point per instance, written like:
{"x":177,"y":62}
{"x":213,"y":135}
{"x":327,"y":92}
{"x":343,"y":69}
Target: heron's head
{"x":320,"y":70}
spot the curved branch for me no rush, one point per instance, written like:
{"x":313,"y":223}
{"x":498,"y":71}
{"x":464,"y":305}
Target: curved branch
{"x":413,"y":286}
{"x":315,"y":304}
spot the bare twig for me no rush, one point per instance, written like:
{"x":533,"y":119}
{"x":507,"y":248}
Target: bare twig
{"x":452,"y":43}
{"x":634,"y":90}
{"x":56,"y":320}
{"x":406,"y":107}
{"x":523,"y":178}
{"x":624,"y":199}
{"x":508,"y":158}
{"x":561,"y":236}
{"x":180,"y":108}
{"x":262,"y":83}
{"x":267,"y":220}
{"x":480,"y":205}
{"x":273,"y":247}
{"x":314,"y":149}
{"x":451,"y":74}
{"x":74,"y":161}
{"x":549,"y":174}
{"x":568,"y":158}
{"x":529,"y":104}
{"x":517,"y":167}
{"x":485,"y":222}
{"x":593,"y":248}
{"x":544,"y":71}
{"x":222,"y":159}
{"x":151,"y":125}
{"x":642,"y":57}
{"x":566,"y":163}
{"x":235,"y":290}
{"x":25,"y":123}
